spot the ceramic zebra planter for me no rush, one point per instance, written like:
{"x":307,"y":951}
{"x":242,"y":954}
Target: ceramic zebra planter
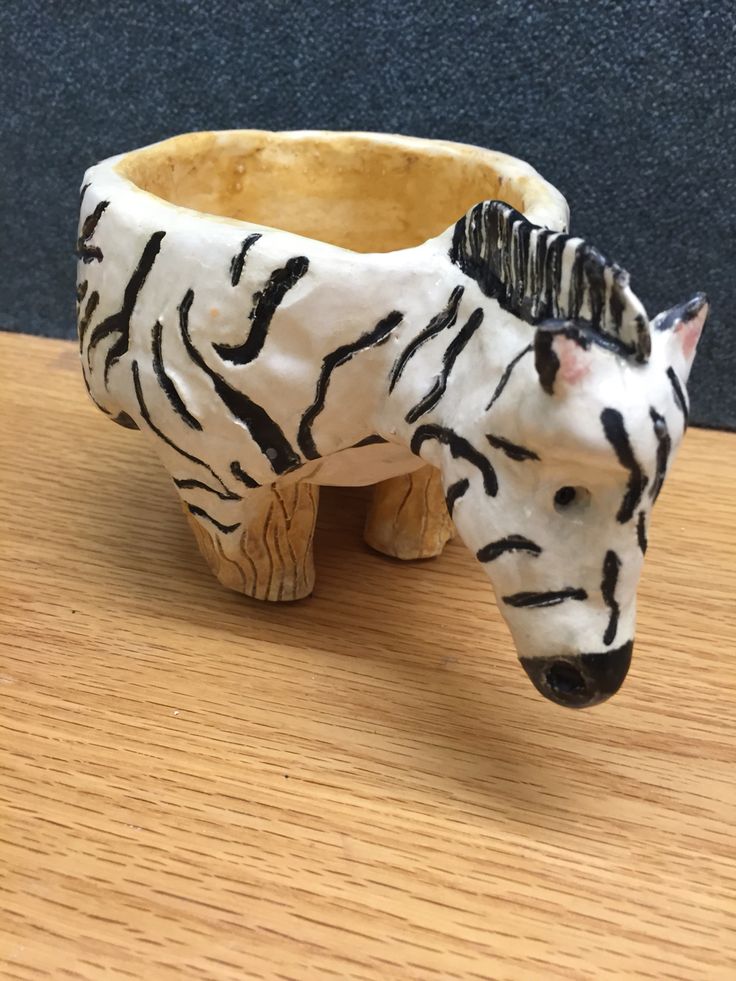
{"x":281,"y":311}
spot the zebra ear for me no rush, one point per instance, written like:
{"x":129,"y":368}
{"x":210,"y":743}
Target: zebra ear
{"x":684,"y":323}
{"x":562,"y":355}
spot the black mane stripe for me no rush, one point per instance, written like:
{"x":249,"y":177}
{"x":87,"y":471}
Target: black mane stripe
{"x":146,"y":415}
{"x":539,"y":274}
{"x":264,"y":307}
{"x":340,"y":356}
{"x":168,"y":387}
{"x":266,"y":433}
{"x":459,"y":448}
{"x":452,"y":353}
{"x":615,"y":430}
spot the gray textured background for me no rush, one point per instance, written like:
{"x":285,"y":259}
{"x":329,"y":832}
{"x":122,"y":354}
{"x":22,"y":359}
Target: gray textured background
{"x":628,"y":108}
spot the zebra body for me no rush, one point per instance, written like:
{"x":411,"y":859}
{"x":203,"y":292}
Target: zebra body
{"x":511,"y":357}
{"x":340,"y":298}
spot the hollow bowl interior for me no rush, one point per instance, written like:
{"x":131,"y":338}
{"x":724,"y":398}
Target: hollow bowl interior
{"x":361,"y":191}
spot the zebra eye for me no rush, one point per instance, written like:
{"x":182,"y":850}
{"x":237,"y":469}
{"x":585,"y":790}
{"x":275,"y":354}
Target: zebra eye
{"x":571,"y":499}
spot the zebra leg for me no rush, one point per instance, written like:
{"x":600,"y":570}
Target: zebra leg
{"x":264,"y":547}
{"x":408,"y":517}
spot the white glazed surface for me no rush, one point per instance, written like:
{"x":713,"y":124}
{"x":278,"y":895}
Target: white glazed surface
{"x":342,"y":297}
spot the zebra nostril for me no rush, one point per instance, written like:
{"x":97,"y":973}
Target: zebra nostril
{"x":565,"y":680}
{"x":579,"y":680}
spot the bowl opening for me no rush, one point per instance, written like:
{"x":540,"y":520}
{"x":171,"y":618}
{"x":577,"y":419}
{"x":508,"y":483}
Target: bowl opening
{"x":359,"y":191}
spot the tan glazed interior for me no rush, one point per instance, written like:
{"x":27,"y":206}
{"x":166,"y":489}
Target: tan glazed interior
{"x":362,"y":192}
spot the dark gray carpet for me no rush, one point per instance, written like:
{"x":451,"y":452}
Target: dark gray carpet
{"x":630,"y":109}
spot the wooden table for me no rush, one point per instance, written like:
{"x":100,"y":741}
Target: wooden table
{"x":361,"y":785}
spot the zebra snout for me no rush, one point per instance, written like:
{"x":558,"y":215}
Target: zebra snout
{"x":579,"y":680}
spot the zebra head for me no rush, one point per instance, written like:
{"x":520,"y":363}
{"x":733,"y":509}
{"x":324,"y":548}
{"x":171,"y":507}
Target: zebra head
{"x":552,"y":482}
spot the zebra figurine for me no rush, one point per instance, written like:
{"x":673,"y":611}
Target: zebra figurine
{"x":501,"y":378}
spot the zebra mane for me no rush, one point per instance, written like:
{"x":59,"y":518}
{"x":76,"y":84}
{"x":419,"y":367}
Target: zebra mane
{"x":539,"y":274}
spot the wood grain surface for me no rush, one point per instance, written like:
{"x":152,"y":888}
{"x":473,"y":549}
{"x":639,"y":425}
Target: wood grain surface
{"x":359,"y":785}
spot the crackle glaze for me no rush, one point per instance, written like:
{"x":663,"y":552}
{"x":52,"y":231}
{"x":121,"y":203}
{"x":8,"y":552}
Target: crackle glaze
{"x":280,"y":311}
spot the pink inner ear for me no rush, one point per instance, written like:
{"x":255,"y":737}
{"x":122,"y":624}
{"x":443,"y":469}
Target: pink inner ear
{"x":574,"y":360}
{"x":688,"y":333}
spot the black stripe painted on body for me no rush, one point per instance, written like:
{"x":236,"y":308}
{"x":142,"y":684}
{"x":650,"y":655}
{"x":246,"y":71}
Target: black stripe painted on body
{"x":264,"y":307}
{"x":507,"y":374}
{"x":237,"y":471}
{"x":512,"y":543}
{"x":446,"y":318}
{"x":369,"y":441}
{"x":453,"y":351}
{"x":84,"y":251}
{"x":85,"y":319}
{"x":238,"y":261}
{"x":455,"y":492}
{"x":615,"y":430}
{"x":201,"y":513}
{"x":641,"y":532}
{"x":167,"y":385}
{"x":335,"y":359}
{"x":546,"y":362}
{"x":664,"y":446}
{"x":459,"y":448}
{"x":679,"y":395}
{"x":89,"y":392}
{"x":266,"y":433}
{"x":611,"y":568}
{"x":152,"y":425}
{"x":512,"y":450}
{"x":124,"y":420}
{"x":550,"y":598}
{"x":120,"y":322}
{"x":191,"y":483}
